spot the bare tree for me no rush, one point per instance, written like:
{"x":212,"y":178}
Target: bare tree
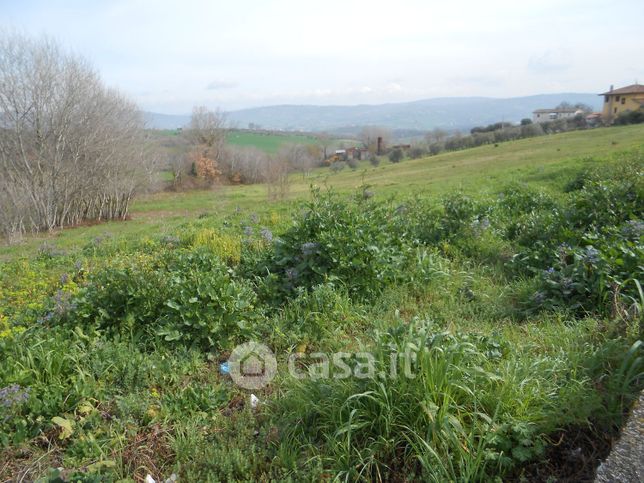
{"x":276,"y":177}
{"x":70,"y":149}
{"x":207,"y":129}
{"x":369,"y":138}
{"x":325,"y":141}
{"x":436,"y":135}
{"x":245,"y":165}
{"x":298,"y":157}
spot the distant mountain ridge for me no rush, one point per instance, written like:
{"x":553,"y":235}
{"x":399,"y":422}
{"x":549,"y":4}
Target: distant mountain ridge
{"x":445,"y":113}
{"x":155,"y":120}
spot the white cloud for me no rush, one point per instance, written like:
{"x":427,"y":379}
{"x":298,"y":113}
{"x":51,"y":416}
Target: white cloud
{"x":221,"y":84}
{"x":170,"y":56}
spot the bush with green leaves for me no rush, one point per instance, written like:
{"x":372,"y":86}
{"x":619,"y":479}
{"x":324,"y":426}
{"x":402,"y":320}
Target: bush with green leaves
{"x":457,"y":218}
{"x":188,"y":297}
{"x":607,"y":202}
{"x":354,"y":243}
{"x":583,"y":247}
{"x":396,"y":155}
{"x":590,"y":277}
{"x":630,"y":117}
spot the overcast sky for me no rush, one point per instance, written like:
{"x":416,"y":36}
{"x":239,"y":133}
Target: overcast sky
{"x":171,"y":55}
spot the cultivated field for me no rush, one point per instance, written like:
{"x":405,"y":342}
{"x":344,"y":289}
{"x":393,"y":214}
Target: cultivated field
{"x":267,"y":142}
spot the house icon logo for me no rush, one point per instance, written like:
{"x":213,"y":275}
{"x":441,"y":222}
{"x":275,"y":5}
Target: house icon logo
{"x":252,"y":365}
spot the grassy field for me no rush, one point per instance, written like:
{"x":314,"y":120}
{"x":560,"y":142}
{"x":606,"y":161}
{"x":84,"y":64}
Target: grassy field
{"x":493,"y":295}
{"x":542,"y":160}
{"x":267,"y":142}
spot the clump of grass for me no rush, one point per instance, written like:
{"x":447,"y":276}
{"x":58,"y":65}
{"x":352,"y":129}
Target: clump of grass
{"x":475,"y":408}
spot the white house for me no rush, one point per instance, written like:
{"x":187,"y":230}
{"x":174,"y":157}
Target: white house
{"x":547,"y":115}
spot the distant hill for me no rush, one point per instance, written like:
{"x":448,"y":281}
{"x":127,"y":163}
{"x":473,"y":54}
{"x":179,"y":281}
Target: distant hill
{"x":446,"y":113}
{"x":154,"y":120}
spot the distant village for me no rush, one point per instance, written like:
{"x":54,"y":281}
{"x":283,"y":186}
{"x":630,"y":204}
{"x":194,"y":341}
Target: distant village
{"x":616,"y":102}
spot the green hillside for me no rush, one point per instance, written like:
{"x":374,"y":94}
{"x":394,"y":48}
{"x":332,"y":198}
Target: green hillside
{"x":539,"y":160}
{"x":269,"y":142}
{"x":472,"y":316}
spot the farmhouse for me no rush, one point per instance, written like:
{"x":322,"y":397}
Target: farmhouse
{"x":617,"y":101}
{"x":547,"y":115}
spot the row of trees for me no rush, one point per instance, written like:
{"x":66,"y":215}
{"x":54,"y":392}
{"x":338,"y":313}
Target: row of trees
{"x":201,"y":158}
{"x":438,"y":140}
{"x":70,"y":149}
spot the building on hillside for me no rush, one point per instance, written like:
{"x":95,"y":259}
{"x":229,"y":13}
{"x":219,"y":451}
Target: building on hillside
{"x":357,"y":153}
{"x":547,"y":115}
{"x":594,"y":119}
{"x":618,"y":101}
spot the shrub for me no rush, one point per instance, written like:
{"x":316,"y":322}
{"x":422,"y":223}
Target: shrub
{"x":187,"y":297}
{"x":417,"y":152}
{"x":338,"y":166}
{"x":593,"y":278}
{"x":396,"y":155}
{"x":630,"y":117}
{"x":601,"y":203}
{"x":436,"y":148}
{"x":350,"y":242}
{"x":517,"y":199}
{"x":460,"y":213}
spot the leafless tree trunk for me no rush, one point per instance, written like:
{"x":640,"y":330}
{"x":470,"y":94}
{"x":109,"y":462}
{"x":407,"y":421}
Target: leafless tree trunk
{"x":276,"y":178}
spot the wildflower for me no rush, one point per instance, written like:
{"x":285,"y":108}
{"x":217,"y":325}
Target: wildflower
{"x":49,"y":316}
{"x":254,"y":218}
{"x":401,"y":210}
{"x":170,"y":240}
{"x":267,"y":234}
{"x":309,"y":248}
{"x":13,"y":395}
{"x":633,"y":229}
{"x":591,"y":255}
{"x":563,"y":251}
{"x":248,"y":230}
{"x":291,"y":274}
{"x":566,"y":284}
{"x":64,"y":278}
{"x":480,"y":225}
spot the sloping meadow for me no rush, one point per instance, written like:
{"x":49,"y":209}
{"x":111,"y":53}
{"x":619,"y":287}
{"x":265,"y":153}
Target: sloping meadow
{"x":522,"y":310}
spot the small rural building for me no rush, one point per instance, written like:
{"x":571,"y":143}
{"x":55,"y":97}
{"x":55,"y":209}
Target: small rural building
{"x":594,"y":119}
{"x":547,"y":115}
{"x":617,"y":101}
